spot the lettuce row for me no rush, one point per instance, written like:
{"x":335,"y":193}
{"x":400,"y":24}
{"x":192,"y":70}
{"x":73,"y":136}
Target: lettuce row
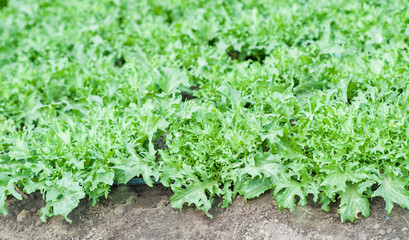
{"x":301,"y":98}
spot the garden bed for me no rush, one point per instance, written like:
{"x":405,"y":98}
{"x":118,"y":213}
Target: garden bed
{"x":213,"y":99}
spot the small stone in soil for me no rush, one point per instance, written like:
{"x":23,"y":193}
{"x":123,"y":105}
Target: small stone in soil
{"x":382,"y":232}
{"x":376,"y":226}
{"x":404,"y":229}
{"x":389,"y":230}
{"x":22,"y":215}
{"x":119,"y":211}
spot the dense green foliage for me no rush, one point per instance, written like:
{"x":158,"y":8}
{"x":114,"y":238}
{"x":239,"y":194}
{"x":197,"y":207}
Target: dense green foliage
{"x":301,"y":97}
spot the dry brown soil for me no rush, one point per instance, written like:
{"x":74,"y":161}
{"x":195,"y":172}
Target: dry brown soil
{"x":140,"y":212}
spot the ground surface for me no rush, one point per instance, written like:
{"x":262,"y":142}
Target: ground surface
{"x":140,"y":212}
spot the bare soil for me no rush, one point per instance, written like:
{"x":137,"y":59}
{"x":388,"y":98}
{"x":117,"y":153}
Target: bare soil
{"x":140,"y":212}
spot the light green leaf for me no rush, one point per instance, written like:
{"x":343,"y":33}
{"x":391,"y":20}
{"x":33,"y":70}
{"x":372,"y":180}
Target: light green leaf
{"x":134,"y":166}
{"x":337,"y":178}
{"x":7,"y":184}
{"x":265,"y":165}
{"x":252,"y":188}
{"x":393,"y":190}
{"x":352,"y":203}
{"x":62,"y":197}
{"x":196,"y":193}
